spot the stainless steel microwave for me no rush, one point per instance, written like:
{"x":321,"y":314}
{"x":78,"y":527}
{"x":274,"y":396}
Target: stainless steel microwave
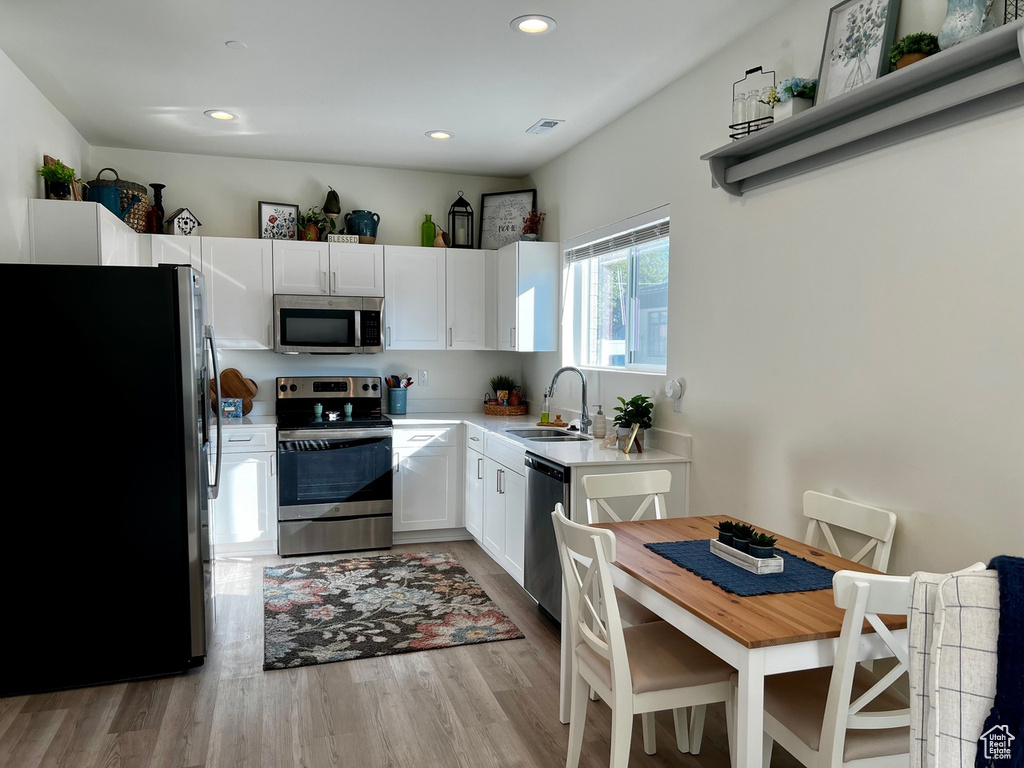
{"x":327,"y":325}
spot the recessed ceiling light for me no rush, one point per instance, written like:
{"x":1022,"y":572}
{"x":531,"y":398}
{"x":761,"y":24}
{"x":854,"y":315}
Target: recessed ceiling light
{"x":533,"y":24}
{"x":236,"y":45}
{"x":220,"y":114}
{"x":438,"y":134}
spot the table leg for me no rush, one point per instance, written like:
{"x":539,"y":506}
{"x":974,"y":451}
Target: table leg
{"x":750,"y":710}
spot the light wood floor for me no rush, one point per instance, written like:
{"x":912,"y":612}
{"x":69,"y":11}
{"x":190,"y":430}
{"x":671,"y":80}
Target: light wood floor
{"x":479,"y":706}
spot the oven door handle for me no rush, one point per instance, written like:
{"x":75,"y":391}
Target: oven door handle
{"x":347,"y":435}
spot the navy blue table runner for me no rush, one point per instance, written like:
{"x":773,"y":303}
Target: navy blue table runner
{"x":798,"y":575}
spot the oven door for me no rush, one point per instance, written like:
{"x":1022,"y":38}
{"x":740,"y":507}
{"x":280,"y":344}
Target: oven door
{"x":344,"y":473}
{"x":317,"y":324}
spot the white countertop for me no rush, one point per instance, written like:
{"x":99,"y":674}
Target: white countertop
{"x":567,"y":454}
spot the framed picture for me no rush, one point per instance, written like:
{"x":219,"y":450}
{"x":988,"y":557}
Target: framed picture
{"x":857,"y":42}
{"x":278,"y":221}
{"x":502,"y":214}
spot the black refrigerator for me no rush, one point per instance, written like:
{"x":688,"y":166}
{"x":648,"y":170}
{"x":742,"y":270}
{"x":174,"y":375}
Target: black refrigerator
{"x":107,"y":545}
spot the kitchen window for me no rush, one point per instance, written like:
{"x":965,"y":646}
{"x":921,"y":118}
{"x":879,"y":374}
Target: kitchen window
{"x":616,"y":300}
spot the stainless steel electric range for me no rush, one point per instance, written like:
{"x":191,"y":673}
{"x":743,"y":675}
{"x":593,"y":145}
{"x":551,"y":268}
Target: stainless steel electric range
{"x":334,"y":465}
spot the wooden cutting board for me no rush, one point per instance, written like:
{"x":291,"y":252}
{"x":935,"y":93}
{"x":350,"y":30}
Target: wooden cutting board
{"x":234,"y":384}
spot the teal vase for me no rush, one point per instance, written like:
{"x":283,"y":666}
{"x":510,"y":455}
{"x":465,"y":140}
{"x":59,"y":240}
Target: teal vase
{"x":428,"y":231}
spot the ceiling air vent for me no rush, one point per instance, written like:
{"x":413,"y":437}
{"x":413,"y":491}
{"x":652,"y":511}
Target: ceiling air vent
{"x":546,"y":125}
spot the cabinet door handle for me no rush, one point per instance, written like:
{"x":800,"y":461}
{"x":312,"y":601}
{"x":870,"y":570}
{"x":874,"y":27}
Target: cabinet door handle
{"x":475,"y":439}
{"x":502,"y":471}
{"x":479,"y":469}
{"x":334,"y":282}
{"x":497,"y":481}
{"x":397,"y":461}
{"x":389,"y":335}
{"x":449,"y":336}
{"x":323,"y":283}
{"x":512,"y":337}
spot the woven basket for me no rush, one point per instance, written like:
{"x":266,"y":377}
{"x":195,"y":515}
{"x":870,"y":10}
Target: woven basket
{"x":506,"y":410}
{"x":136,"y":217}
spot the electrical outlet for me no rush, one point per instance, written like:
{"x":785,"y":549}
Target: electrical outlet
{"x":677,"y":406}
{"x":422,"y":379}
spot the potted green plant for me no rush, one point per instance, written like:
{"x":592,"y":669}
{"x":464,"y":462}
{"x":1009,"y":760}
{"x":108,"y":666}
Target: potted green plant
{"x":314,"y":224}
{"x":59,"y":179}
{"x":635,"y":411}
{"x":725,"y":531}
{"x":508,"y":385}
{"x":762,"y":545}
{"x":531,"y":225}
{"x":741,"y":533}
{"x":913,"y":47}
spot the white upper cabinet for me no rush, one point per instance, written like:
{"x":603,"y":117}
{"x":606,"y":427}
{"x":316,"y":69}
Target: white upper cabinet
{"x":526,"y":282}
{"x":338,"y":269}
{"x":466,"y":298}
{"x":436,"y":297}
{"x":66,"y":232}
{"x":170,"y":249}
{"x":240,"y":288}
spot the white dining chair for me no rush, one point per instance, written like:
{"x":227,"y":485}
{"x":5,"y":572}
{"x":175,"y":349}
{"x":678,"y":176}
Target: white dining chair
{"x":873,"y":528}
{"x":649,"y":487}
{"x":846,"y":715}
{"x":635,"y":670}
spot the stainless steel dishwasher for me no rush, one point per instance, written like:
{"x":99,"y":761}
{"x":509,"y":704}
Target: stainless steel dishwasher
{"x":547,"y":484}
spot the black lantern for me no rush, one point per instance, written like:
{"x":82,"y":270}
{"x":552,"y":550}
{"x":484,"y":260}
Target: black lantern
{"x":460,"y":223}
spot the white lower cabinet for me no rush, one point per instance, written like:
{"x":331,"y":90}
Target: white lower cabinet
{"x":427,"y":492}
{"x":504,"y":512}
{"x":245,"y":510}
{"x":474,"y":486}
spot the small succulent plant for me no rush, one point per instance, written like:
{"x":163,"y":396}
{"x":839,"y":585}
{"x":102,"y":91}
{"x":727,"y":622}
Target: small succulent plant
{"x":763,"y":540}
{"x":743,"y":531}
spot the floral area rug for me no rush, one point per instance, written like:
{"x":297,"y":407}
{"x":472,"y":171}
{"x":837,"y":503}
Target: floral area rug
{"x":359,"y":607}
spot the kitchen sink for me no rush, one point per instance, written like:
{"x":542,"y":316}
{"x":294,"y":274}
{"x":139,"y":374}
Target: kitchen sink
{"x":559,"y":439}
{"x":534,"y":433}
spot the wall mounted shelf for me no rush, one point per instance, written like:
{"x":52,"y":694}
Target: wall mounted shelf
{"x":974,"y":79}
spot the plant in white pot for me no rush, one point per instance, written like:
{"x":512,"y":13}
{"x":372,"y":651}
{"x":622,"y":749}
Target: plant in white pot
{"x":635,"y":411}
{"x":791,"y":96}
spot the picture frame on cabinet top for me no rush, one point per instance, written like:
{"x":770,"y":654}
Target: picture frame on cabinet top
{"x":278,"y":221}
{"x":501,"y":216}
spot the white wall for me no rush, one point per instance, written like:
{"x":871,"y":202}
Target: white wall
{"x":223,"y":192}
{"x":30,"y":127}
{"x":858,"y":330}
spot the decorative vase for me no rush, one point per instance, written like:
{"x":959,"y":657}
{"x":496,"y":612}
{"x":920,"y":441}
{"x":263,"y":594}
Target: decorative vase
{"x":741,"y":545}
{"x":785,"y":109}
{"x":725,"y":538}
{"x":965,"y":19}
{"x":528,"y":236}
{"x":311,"y":232}
{"x":762,"y":552}
{"x":155,"y":215}
{"x":362,"y":223}
{"x":428,"y":231}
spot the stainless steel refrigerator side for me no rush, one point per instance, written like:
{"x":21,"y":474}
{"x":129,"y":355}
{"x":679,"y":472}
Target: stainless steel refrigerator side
{"x":191,"y":290}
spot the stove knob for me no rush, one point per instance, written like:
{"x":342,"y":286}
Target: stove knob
{"x":374,"y":387}
{"x":366,"y":387}
{"x":283,"y":387}
{"x":294,"y":388}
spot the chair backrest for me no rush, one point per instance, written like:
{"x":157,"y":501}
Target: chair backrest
{"x":652,"y":485}
{"x":864,"y":596}
{"x":585,"y":554}
{"x":877,"y":525}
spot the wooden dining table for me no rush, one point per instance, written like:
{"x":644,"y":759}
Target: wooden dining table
{"x":760,"y":635}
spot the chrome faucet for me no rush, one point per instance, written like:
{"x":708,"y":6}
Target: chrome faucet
{"x":585,"y":421}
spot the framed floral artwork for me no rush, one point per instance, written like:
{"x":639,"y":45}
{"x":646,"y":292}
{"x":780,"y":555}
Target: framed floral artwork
{"x":857,"y":42}
{"x":278,"y":221}
{"x":502,"y":214}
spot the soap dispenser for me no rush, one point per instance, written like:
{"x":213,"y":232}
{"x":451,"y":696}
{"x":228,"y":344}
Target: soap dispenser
{"x":600,"y":425}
